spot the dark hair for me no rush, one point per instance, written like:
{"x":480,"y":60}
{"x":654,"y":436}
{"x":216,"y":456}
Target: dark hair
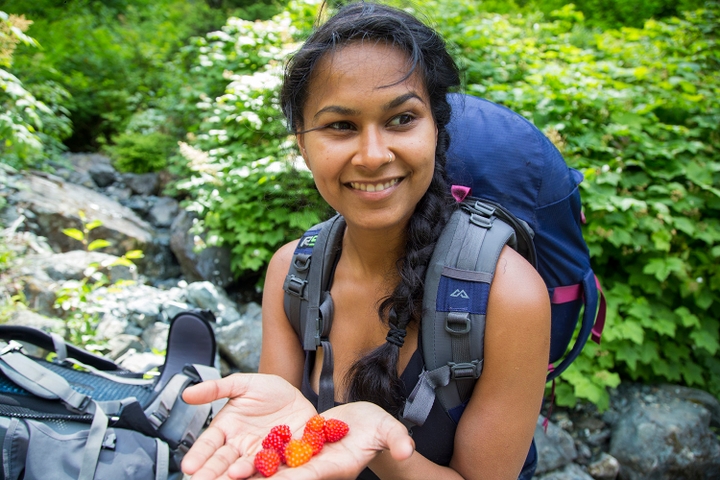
{"x":374,"y":377}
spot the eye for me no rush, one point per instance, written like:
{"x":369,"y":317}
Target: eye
{"x":340,"y":126}
{"x":401,"y":120}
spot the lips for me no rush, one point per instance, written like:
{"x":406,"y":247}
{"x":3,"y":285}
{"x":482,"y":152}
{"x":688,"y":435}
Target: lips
{"x":374,"y":187}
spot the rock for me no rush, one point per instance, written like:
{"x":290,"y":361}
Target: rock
{"x":156,"y":336}
{"x":605,"y":468}
{"x":239,"y":342}
{"x":664,"y":440}
{"x":556,"y":447}
{"x":74,"y":266}
{"x":143,"y":183}
{"x":209,"y":297}
{"x":568,"y":472}
{"x":211,"y":263}
{"x":163,"y":212}
{"x":103,"y":174}
{"x":56,"y":204}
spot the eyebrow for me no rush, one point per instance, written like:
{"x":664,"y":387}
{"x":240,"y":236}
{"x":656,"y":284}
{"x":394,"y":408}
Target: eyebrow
{"x":394,"y":103}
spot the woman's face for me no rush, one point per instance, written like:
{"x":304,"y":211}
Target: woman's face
{"x":372,"y":145}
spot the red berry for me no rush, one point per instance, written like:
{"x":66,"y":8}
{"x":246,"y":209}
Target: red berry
{"x":283,"y":431}
{"x":316,"y":439}
{"x":297,"y":453}
{"x":274,"y":441}
{"x":335,"y":430}
{"x":267,"y":462}
{"x":316,"y":423}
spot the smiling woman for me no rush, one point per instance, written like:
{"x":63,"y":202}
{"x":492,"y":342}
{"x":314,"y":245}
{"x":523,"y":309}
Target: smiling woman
{"x":367,"y":97}
{"x":370,"y":137}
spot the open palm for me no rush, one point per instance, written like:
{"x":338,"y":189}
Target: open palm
{"x":258,"y":402}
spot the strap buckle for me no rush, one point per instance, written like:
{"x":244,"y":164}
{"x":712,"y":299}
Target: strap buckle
{"x":462,"y":371}
{"x":295,"y":286}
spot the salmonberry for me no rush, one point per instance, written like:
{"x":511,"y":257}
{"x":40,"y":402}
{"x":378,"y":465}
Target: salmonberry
{"x":283,"y":431}
{"x":274,"y":441}
{"x":316,"y":423}
{"x":297,"y":453}
{"x":267,"y":462}
{"x":316,"y":439}
{"x":335,"y":430}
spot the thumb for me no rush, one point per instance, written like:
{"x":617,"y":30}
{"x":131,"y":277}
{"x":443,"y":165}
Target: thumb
{"x":397,"y":440}
{"x":232,"y":386}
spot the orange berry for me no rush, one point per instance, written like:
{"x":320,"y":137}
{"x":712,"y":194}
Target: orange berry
{"x":297,"y":453}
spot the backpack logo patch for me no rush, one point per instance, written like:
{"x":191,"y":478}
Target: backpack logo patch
{"x":308,"y":241}
{"x":459,"y":294}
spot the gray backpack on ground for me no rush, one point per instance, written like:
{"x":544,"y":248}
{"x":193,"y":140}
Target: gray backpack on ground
{"x":80,"y":416}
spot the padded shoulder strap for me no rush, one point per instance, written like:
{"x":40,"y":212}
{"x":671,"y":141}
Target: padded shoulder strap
{"x":457,"y":287}
{"x":309,"y":277}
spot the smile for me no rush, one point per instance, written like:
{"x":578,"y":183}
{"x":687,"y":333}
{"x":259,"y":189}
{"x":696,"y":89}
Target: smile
{"x":374,"y":187}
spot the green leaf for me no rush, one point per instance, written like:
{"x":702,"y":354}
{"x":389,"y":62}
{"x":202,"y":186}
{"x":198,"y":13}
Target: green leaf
{"x":693,"y":374}
{"x":74,"y":233}
{"x":661,"y":268}
{"x":93,"y":225}
{"x":97,"y":244}
{"x":707,"y":337}
{"x":687,"y":319}
{"x":134,"y":254}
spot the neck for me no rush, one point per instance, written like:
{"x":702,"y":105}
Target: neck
{"x":374,"y":252}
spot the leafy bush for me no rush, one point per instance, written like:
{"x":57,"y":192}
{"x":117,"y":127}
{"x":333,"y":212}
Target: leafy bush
{"x":115,"y":58}
{"x":141,"y":152}
{"x":243,"y":149}
{"x":617,"y":13}
{"x":29,"y":128}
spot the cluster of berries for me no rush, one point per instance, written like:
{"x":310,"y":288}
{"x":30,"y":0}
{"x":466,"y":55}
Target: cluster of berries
{"x":279,"y":446}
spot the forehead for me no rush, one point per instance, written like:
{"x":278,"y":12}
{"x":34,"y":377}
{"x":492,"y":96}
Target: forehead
{"x":360,"y":73}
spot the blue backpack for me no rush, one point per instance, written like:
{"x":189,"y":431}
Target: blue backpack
{"x":523,"y":195}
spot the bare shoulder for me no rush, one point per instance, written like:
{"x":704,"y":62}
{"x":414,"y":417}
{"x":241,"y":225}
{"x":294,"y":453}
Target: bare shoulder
{"x":517,"y":287}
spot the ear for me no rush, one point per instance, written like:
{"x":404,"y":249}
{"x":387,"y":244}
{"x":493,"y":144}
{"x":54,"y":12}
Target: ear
{"x":303,"y":152}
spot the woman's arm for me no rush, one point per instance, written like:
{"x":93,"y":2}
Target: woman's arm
{"x":281,"y":352}
{"x":497,"y":426}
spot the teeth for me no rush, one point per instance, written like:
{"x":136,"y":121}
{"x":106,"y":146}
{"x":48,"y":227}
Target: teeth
{"x":377,"y":187}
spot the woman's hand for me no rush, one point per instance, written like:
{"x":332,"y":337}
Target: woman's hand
{"x":258,"y":402}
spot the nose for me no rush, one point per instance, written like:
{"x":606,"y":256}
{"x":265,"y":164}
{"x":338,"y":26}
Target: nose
{"x":373,"y":150}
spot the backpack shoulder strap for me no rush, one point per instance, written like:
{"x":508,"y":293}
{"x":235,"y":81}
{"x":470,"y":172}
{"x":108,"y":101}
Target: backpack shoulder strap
{"x":309,"y":278}
{"x":457,"y":287}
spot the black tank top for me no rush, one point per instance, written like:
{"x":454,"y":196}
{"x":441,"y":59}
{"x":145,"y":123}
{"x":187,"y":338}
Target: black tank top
{"x":434,"y":439}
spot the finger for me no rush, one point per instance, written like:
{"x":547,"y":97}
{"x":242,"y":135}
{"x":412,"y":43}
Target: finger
{"x":242,"y":468}
{"x":204,"y":447}
{"x":231,"y":386}
{"x":209,"y":452}
{"x":216,"y":467}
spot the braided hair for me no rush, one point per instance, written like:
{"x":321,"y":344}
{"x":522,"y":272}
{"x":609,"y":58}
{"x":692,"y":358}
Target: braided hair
{"x":374,"y":377}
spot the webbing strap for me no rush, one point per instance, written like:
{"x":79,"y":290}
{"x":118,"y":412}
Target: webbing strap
{"x":159,"y":410}
{"x":60,"y":346}
{"x":326,"y":393}
{"x":40,"y":381}
{"x":421,"y":399}
{"x":162,"y":461}
{"x":96,"y":436}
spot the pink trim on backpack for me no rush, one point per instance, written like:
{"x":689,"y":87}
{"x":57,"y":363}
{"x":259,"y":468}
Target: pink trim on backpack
{"x":570,"y":293}
{"x":567,"y":294}
{"x":459,"y":192}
